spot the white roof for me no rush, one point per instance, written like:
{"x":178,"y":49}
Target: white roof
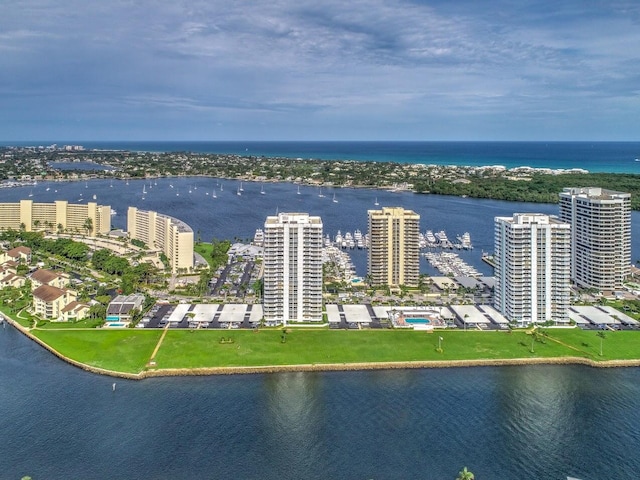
{"x":594,"y":315}
{"x":356,"y":313}
{"x":179,"y":312}
{"x":469,"y":314}
{"x":333,"y":315}
{"x":233,"y":312}
{"x":204,"y":312}
{"x":495,"y":315}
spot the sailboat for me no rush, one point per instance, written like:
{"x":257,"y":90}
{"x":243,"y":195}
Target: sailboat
{"x":320,"y":194}
{"x":95,"y":196}
{"x":144,"y":190}
{"x":241,"y":189}
{"x":262,"y":189}
{"x":213,"y":195}
{"x":31,"y":193}
{"x":334,"y":198}
{"x":239,"y":192}
{"x":376,"y":202}
{"x":298,"y":189}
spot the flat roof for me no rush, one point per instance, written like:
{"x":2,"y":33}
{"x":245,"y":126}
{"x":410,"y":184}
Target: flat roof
{"x":356,"y":313}
{"x":333,"y":314}
{"x":204,"y":312}
{"x":178,"y":313}
{"x":493,"y":314}
{"x":233,"y":312}
{"x":594,"y":315}
{"x":469,"y":314}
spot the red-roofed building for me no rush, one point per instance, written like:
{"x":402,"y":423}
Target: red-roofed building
{"x":49,"y":301}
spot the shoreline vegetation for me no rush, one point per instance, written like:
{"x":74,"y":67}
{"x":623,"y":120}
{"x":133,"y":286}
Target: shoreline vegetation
{"x":522,"y":184}
{"x":582,"y":353}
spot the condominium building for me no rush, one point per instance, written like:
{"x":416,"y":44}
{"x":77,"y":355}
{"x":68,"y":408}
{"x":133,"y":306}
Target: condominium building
{"x":600,"y":222}
{"x":394,"y":248}
{"x":292,"y":268}
{"x":532,"y":268}
{"x":90,"y":219}
{"x":168,"y":234}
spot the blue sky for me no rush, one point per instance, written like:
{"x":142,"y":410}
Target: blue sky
{"x":319,"y":70}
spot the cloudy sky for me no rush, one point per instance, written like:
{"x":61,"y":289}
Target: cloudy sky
{"x":319,"y":70}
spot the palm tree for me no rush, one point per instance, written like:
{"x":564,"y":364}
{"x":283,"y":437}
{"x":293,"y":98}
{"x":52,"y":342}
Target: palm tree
{"x":465,"y":474}
{"x":88,"y":225}
{"x":602,"y":336}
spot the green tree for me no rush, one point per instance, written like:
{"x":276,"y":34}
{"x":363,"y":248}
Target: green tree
{"x":465,"y":474}
{"x":88,"y":225}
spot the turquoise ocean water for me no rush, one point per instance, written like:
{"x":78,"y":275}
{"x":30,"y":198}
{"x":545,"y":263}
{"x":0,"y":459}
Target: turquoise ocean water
{"x":617,"y":157}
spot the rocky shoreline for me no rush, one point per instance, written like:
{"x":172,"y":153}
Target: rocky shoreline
{"x":327,"y":367}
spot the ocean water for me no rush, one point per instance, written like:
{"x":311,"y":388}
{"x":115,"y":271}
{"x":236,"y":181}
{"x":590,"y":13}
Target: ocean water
{"x":536,"y":422}
{"x":619,"y":157}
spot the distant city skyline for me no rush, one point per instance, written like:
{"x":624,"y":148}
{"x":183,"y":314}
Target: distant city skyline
{"x":302,"y":70}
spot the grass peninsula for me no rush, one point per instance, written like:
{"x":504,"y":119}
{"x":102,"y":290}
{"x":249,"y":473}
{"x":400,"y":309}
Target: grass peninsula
{"x":184,"y":352}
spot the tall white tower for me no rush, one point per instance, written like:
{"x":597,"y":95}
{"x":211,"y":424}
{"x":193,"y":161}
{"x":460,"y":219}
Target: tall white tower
{"x":601,"y":236}
{"x":532,"y":257}
{"x":293,"y":268}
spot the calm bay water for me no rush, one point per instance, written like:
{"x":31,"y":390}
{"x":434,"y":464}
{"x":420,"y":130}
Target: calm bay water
{"x":537,"y":422}
{"x":230,"y":216}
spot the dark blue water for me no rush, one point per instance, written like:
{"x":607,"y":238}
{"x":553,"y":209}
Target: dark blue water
{"x":594,"y":156}
{"x":230,"y":216}
{"x":537,"y":422}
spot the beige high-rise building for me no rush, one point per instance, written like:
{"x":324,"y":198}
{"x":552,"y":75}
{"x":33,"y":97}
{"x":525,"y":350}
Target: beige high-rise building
{"x":59,"y":215}
{"x":292,"y":268}
{"x":600,"y":222}
{"x":394,"y":248}
{"x":532,"y":253}
{"x":172,"y":236}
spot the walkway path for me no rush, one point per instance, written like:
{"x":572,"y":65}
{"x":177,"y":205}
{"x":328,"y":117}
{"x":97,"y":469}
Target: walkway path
{"x":155,"y":350}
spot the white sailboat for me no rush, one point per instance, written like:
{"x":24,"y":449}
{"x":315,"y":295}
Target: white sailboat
{"x":320,"y":194}
{"x":213,"y":195}
{"x":144,"y":190}
{"x":31,"y":193}
{"x":334,"y":198}
{"x":262,"y":189}
{"x":241,"y":189}
{"x":298,"y":189}
{"x":376,"y":202}
{"x":239,"y":192}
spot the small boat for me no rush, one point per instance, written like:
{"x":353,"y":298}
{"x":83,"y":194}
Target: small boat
{"x":95,"y":196}
{"x":376,"y":202}
{"x":262,"y":190}
{"x":213,"y":194}
{"x":239,"y":192}
{"x":334,"y":198}
{"x":46,"y":189}
{"x":321,"y":195}
{"x":298,"y":189}
{"x":144,"y":190}
{"x":241,"y":189}
{"x":31,"y":193}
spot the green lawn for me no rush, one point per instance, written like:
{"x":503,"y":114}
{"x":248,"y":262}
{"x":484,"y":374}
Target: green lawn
{"x":129,"y":350}
{"x":203,"y":249}
{"x":124,"y":350}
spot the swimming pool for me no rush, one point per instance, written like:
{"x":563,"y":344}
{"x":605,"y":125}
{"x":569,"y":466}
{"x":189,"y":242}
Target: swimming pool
{"x":112,"y":319}
{"x":116,"y":324}
{"x":417,"y":320}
